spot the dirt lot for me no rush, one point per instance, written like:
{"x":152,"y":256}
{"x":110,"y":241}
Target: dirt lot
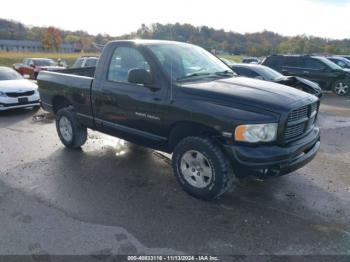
{"x":115,"y":198}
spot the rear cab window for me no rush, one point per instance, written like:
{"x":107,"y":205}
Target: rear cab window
{"x":91,"y":62}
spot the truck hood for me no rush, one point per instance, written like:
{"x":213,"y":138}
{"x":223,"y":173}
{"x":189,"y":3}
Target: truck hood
{"x":20,"y":85}
{"x":252,"y":92}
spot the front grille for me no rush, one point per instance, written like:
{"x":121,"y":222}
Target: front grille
{"x":300,"y":121}
{"x":298,"y":114}
{"x":19,"y":94}
{"x":294,"y":131}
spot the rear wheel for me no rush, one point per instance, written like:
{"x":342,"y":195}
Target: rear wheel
{"x":202,"y":168}
{"x":70,"y":132}
{"x":341,"y":87}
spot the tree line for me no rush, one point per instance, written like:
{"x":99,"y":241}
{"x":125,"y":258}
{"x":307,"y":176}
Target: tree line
{"x":50,"y":37}
{"x":252,"y":44}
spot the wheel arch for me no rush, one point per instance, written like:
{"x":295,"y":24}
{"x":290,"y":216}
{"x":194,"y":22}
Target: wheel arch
{"x":59,"y":102}
{"x":180,"y":130}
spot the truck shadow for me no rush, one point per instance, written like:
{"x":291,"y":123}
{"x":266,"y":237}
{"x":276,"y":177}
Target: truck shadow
{"x":134,"y":188}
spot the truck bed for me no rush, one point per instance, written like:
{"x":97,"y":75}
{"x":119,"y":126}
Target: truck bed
{"x":83,"y":71}
{"x":71,"y":84}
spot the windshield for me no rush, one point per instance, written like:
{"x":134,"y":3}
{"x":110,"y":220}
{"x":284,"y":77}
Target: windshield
{"x":184,"y":61}
{"x":9,"y":74}
{"x":269,"y":74}
{"x":44,"y":62}
{"x":329,"y":63}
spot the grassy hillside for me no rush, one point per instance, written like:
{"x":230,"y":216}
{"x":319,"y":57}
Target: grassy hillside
{"x":10,"y":58}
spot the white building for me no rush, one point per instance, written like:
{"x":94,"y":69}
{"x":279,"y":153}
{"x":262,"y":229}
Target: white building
{"x":31,"y":46}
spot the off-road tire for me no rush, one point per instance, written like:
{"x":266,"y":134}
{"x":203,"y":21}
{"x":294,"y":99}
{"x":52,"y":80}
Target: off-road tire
{"x":79,"y":132}
{"x":222,"y":175}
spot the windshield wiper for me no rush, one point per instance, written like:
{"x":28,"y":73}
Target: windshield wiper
{"x":191,"y":76}
{"x":207,"y":74}
{"x":225,"y":73}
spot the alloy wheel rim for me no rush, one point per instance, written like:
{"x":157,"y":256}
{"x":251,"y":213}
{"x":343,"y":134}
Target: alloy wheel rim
{"x":66,"y":129}
{"x":196,"y":169}
{"x":341,"y":88}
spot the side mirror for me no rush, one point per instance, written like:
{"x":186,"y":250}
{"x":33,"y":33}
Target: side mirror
{"x":259,"y":77}
{"x":32,"y":65}
{"x":139,"y":76}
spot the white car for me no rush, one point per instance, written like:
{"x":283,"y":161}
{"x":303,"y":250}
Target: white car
{"x":15,"y":91}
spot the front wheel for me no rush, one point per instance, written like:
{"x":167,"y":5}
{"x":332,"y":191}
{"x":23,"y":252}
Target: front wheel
{"x":201,"y":168}
{"x":71,"y":133}
{"x":341,"y":87}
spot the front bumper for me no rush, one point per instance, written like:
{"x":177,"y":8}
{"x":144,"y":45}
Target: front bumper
{"x":274,"y":160}
{"x":7,"y":103}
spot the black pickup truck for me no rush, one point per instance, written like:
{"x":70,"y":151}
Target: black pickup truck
{"x":180,"y":99}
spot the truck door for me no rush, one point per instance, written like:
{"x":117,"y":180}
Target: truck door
{"x":123,"y":106}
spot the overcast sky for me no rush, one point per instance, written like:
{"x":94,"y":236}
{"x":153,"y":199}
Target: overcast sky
{"x":326,"y":18}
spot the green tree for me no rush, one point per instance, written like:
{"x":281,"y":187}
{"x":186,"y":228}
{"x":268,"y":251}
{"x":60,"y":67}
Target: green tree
{"x":71,"y":38}
{"x":86,"y":43}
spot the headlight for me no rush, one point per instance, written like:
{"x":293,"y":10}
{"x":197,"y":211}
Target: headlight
{"x":2,"y":94}
{"x":256,"y":133}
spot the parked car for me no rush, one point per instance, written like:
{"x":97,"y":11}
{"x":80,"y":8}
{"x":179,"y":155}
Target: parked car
{"x":346,"y":57}
{"x":251,"y":60}
{"x":340,"y":61}
{"x":315,"y":68}
{"x":86,"y":61}
{"x":30,"y":67}
{"x":228,"y":62}
{"x":268,"y":74}
{"x":15,"y":91}
{"x":179,"y":98}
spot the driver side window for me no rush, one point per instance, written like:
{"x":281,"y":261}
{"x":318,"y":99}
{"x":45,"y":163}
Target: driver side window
{"x":123,"y":60}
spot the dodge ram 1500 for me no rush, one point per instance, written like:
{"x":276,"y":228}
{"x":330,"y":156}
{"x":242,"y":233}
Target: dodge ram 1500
{"x":179,"y":98}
